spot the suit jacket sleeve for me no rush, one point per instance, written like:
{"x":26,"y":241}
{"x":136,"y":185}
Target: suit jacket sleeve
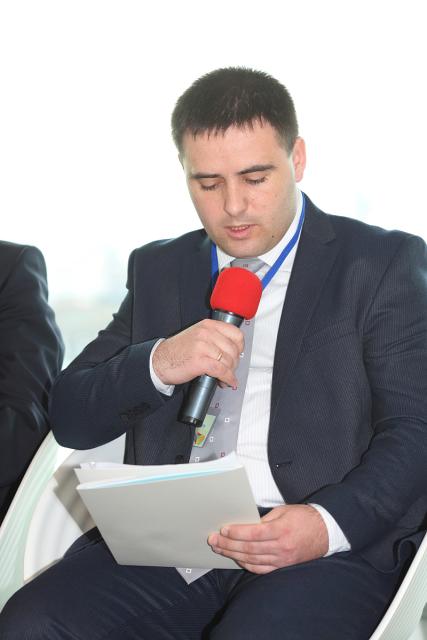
{"x":391,"y":477}
{"x":31,"y":353}
{"x":108,"y":386}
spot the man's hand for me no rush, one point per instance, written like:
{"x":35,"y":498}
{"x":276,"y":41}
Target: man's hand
{"x":210,"y":347}
{"x":286,"y":535}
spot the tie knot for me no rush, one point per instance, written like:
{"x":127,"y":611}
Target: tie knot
{"x":252,"y":264}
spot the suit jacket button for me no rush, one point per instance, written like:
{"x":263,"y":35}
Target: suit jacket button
{"x":179,"y":459}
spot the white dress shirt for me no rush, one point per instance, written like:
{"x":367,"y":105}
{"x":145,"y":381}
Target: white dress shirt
{"x":255,"y":416}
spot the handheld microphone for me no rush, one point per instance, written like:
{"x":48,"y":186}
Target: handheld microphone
{"x":235,"y":297}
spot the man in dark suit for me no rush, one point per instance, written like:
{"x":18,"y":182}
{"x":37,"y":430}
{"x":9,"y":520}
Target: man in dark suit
{"x":333,"y":427}
{"x":31,"y":353}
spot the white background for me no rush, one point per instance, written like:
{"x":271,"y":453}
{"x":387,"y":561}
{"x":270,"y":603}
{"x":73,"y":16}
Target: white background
{"x":87,"y":167}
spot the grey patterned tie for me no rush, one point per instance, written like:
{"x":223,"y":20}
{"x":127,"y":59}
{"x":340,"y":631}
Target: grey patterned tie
{"x":218,"y":435}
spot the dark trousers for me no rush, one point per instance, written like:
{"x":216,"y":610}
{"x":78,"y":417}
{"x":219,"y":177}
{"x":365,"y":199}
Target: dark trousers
{"x":87,"y":596}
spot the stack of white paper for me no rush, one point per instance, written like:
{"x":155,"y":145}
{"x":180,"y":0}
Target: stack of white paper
{"x":162,"y":515}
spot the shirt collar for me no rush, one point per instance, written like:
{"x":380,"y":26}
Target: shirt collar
{"x":270,"y":257}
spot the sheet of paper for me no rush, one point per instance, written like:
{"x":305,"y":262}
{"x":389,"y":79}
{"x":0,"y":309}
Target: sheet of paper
{"x":166,"y":522}
{"x":107,"y":471}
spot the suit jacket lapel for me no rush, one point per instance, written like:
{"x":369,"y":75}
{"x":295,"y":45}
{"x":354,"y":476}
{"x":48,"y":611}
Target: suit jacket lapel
{"x":316,"y":254}
{"x":195,"y":283}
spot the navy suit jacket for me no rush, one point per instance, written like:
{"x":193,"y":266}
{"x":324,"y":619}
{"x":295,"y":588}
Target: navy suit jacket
{"x":31,"y":353}
{"x":349,"y":395}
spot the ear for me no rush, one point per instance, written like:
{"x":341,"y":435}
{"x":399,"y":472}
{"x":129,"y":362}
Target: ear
{"x":299,"y":159}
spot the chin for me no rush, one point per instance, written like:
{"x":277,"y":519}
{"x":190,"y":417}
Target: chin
{"x":244,"y":252}
{"x":240,"y":249}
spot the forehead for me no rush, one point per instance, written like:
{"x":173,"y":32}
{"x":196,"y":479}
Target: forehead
{"x":234,"y":148}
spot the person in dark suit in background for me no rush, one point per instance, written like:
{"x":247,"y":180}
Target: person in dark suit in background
{"x":31,"y":352}
{"x":333,"y":429}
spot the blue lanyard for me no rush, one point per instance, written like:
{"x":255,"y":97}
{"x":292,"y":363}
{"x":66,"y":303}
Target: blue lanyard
{"x":279,"y":260}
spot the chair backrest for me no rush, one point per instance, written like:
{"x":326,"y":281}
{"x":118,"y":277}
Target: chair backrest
{"x":403,"y":615}
{"x":46,"y":514}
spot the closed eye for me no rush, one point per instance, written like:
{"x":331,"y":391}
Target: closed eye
{"x":250,"y":181}
{"x":256,"y":180}
{"x":209,"y":187}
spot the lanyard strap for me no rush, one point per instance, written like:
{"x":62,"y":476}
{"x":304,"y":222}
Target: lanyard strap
{"x":279,"y":260}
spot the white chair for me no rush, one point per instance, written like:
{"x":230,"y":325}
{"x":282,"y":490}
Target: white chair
{"x":403,"y":621}
{"x":46,"y":514}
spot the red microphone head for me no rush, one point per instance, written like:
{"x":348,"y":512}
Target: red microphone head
{"x":238,"y":291}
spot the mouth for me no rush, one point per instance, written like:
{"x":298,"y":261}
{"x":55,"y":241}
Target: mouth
{"x":240,"y":230}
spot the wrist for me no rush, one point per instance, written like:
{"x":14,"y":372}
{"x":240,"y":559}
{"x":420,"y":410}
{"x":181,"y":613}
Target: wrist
{"x":155,"y":371}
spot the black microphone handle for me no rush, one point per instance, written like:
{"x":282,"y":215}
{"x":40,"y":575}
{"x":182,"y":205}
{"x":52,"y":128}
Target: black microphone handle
{"x":201,"y":390}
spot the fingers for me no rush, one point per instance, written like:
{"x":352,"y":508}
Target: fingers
{"x":222,"y":351}
{"x":226,"y":339}
{"x":258,"y":557}
{"x":257,"y":548}
{"x":209,"y":347}
{"x":248,"y":549}
{"x":222,"y":371}
{"x":260,"y":532}
{"x":247,"y":558}
{"x":289,"y":534}
{"x":217,"y":347}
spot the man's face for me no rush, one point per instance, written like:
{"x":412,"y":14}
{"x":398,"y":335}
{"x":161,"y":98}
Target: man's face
{"x":243,"y":186}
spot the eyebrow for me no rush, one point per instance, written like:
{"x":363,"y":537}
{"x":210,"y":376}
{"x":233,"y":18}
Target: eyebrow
{"x":253,"y":169}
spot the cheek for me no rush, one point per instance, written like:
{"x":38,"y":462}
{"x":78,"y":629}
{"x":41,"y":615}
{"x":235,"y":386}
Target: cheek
{"x":193,"y":196}
{"x":265,"y":204}
{"x":206,"y":210}
{"x":196,"y":199}
{"x":259,"y":201}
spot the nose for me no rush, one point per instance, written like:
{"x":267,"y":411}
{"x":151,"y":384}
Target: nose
{"x":235,"y":201}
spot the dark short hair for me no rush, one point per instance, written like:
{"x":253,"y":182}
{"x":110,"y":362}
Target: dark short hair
{"x":234,"y":96}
